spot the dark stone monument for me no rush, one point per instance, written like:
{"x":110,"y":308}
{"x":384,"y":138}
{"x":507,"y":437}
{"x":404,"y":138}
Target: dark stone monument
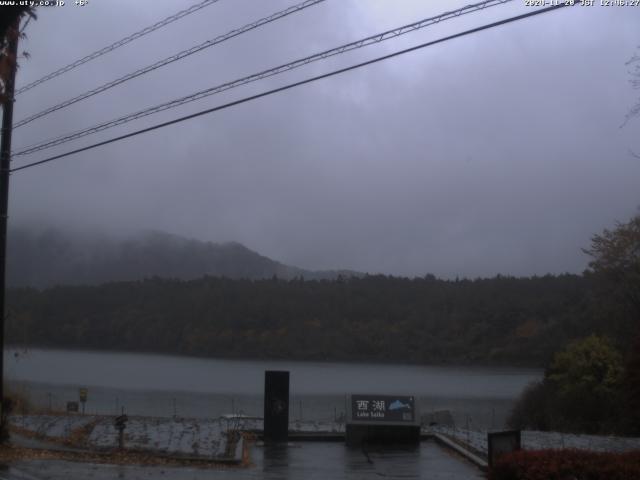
{"x":382,"y":419}
{"x":276,"y":406}
{"x":500,"y":443}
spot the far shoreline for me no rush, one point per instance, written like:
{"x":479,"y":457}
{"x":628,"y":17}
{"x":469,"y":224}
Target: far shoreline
{"x":327,"y":361}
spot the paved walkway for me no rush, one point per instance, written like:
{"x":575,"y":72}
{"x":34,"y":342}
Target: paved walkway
{"x":305,"y":460}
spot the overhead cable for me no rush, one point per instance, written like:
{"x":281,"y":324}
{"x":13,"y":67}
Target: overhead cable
{"x":377,"y":38}
{"x":295,"y":84}
{"x":171,"y":59}
{"x":118,"y":44}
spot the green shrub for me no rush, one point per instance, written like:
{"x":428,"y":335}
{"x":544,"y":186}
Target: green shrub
{"x":534,"y":409}
{"x":581,"y":392}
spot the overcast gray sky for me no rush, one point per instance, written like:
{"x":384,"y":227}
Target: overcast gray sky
{"x":499,"y":152}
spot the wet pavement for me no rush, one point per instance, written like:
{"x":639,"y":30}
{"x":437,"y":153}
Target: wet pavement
{"x":305,"y":460}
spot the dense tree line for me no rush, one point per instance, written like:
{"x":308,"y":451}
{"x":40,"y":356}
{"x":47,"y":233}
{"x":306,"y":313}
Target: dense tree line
{"x":502,"y":320}
{"x":592,"y":385}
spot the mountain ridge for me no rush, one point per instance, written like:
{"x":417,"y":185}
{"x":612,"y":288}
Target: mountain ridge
{"x":50,"y":257}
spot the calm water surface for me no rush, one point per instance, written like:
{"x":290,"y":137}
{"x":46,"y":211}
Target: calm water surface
{"x":167,"y":385}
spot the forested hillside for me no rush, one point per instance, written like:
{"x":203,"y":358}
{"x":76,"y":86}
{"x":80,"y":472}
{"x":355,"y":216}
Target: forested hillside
{"x":502,"y":320}
{"x":51,"y":257}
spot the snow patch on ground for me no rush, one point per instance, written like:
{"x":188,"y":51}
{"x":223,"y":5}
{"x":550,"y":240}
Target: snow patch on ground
{"x":192,"y":437}
{"x":175,"y":436}
{"x":533,"y":440}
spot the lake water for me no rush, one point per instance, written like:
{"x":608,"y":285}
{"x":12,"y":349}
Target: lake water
{"x":162,"y":385}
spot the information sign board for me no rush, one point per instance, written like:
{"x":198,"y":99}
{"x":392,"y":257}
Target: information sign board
{"x":382,"y":408}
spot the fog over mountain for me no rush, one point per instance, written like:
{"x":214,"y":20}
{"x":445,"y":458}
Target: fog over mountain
{"x":499,"y":152}
{"x":46,"y":257}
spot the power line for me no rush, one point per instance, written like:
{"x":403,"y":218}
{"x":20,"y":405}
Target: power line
{"x":171,"y":59}
{"x":118,"y":44}
{"x":295,"y":84}
{"x":377,"y":38}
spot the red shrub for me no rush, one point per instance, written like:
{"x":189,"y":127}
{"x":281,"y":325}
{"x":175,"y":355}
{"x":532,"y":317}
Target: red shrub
{"x":567,"y":465}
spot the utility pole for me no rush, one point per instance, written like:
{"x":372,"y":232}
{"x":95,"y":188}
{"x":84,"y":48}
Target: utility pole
{"x":5,"y":164}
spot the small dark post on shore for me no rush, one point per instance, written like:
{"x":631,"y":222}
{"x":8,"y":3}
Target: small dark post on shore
{"x":5,"y":165}
{"x":500,"y":443}
{"x":82,"y":393}
{"x":120,"y":423}
{"x":276,"y":406}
